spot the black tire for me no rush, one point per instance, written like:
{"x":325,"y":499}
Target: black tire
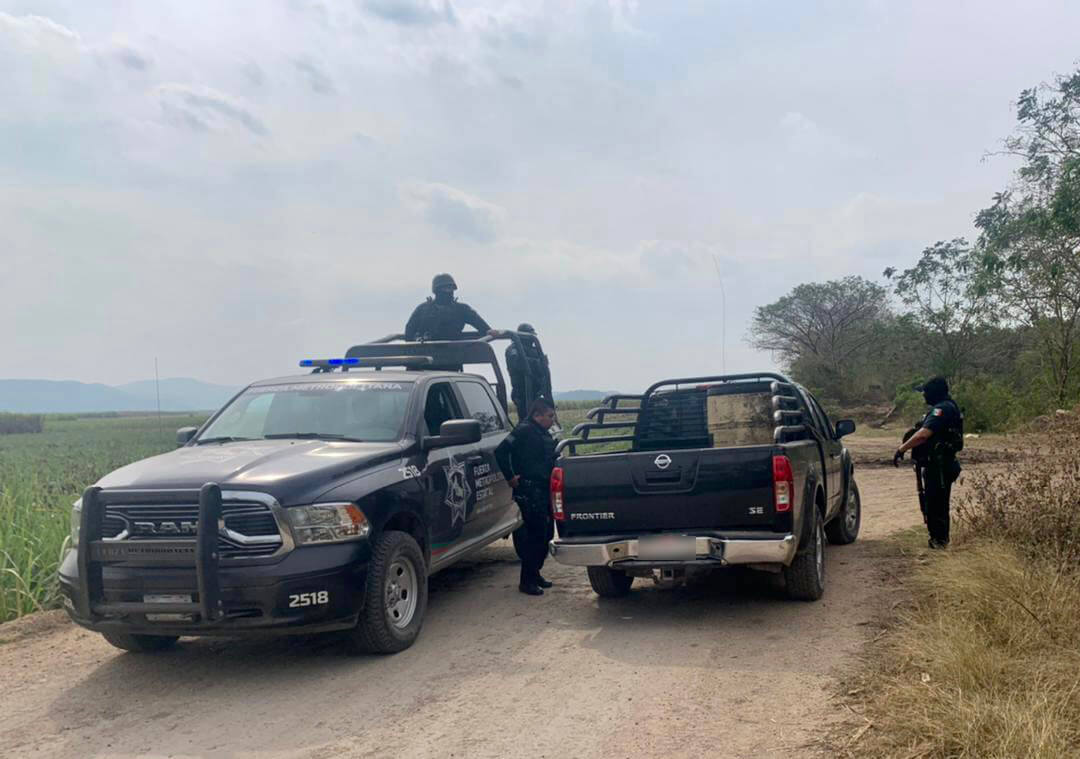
{"x":140,"y":644}
{"x":516,"y":536}
{"x":805,"y":578}
{"x":845,"y":527}
{"x":609,"y":583}
{"x":394,"y":601}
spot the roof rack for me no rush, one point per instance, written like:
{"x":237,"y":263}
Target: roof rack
{"x":788,"y":413}
{"x":444,"y":355}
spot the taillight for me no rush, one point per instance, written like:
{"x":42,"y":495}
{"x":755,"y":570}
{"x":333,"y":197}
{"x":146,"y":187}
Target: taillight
{"x":557,"y":494}
{"x":783,"y":483}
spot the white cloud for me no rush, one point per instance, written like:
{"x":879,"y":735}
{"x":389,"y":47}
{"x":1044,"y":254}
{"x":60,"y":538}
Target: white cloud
{"x":201,"y":108}
{"x":591,"y":157}
{"x":317,"y":79}
{"x":454,"y":212}
{"x":413,"y":12}
{"x":37,"y":31}
{"x":805,"y":137}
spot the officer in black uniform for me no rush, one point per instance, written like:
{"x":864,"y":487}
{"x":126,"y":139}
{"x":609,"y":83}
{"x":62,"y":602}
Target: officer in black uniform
{"x":934,"y":445}
{"x":532,"y":365}
{"x":526,"y":457}
{"x":443,"y":317}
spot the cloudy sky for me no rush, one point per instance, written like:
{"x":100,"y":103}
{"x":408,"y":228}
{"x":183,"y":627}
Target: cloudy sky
{"x":229,"y":187}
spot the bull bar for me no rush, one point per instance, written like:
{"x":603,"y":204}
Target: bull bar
{"x":94,"y":552}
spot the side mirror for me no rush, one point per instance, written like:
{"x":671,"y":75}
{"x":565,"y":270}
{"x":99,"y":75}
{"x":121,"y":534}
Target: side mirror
{"x":844,"y":427}
{"x":454,"y":432}
{"x":184,"y":435}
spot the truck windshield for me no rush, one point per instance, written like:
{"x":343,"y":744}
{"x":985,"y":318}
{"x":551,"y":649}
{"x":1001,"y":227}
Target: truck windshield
{"x":344,"y":410}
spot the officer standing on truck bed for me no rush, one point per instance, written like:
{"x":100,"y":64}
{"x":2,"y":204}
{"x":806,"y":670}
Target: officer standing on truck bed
{"x":526,"y":457}
{"x":529,"y":365}
{"x":934,"y":445}
{"x":443,"y":317}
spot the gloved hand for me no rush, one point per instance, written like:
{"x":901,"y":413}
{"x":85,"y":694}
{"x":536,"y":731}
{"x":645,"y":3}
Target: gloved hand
{"x":897,"y":458}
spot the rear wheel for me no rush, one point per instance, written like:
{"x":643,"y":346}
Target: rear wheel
{"x":395,"y":598}
{"x":140,"y":644}
{"x":805,"y":578}
{"x":609,"y":583}
{"x":845,"y":528}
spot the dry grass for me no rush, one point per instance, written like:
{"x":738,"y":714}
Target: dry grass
{"x":985,"y":660}
{"x":984,"y":664}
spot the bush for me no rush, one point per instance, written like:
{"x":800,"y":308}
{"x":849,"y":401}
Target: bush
{"x":14,"y":424}
{"x":989,"y":405}
{"x":1034,"y":505}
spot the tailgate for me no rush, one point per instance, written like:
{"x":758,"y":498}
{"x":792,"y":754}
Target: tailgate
{"x":704,"y":489}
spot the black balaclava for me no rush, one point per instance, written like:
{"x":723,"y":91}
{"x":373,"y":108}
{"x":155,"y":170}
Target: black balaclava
{"x":444,"y":296}
{"x":935,"y":390}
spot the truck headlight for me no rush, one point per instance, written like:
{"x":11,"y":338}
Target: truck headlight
{"x":328,"y":523}
{"x":76,"y":522}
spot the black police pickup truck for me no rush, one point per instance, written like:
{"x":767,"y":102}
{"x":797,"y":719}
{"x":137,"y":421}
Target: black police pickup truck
{"x":738,"y":470}
{"x":330,"y":496}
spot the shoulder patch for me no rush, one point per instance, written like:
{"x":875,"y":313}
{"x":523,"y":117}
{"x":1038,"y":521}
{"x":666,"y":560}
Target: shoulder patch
{"x":938,"y":412}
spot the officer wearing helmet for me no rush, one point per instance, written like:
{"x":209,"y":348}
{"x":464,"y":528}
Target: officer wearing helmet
{"x":528,"y":366}
{"x":934,"y":443}
{"x":443,"y":317}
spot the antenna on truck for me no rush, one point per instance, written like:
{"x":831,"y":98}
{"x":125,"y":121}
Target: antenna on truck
{"x":723,"y":314}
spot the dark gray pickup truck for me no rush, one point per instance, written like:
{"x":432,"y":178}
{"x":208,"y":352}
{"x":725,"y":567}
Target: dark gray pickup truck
{"x":736,"y":470}
{"x":309,"y":503}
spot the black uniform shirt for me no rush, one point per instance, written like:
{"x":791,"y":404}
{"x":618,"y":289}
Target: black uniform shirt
{"x":432,"y":320}
{"x":535,"y":363}
{"x":528,"y":451}
{"x":944,"y":420}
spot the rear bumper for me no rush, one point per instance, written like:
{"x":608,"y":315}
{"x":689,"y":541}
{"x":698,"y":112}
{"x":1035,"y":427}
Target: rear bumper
{"x":724,"y":550}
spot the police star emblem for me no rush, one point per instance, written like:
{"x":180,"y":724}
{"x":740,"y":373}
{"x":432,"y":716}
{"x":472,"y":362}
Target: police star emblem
{"x":457,"y":490}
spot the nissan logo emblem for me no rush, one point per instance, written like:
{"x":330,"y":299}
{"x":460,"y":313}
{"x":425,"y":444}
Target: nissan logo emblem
{"x":663,"y":461}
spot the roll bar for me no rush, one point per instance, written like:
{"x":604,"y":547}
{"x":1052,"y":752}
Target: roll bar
{"x":446,"y":355}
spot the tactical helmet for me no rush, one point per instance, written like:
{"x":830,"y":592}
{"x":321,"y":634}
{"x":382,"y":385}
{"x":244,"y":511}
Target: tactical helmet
{"x":526,"y":327}
{"x":442,"y":282}
{"x":935,"y":390}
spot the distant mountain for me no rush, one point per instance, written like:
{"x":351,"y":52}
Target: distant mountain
{"x":52,"y":396}
{"x":181,"y":394}
{"x":583,"y":395}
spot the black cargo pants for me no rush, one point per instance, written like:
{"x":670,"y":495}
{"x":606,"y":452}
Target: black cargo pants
{"x":538,"y":528}
{"x":938,"y":479}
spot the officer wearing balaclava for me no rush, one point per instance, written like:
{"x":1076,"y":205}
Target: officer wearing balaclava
{"x":443,"y":317}
{"x":934,"y":445}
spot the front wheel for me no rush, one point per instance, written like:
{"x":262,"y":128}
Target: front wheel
{"x":609,"y":583}
{"x":140,"y":644}
{"x":845,"y":527}
{"x":395,"y":598}
{"x":805,"y":577}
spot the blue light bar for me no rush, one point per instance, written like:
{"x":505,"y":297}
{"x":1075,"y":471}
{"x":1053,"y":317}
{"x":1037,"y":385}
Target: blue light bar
{"x":323,"y":362}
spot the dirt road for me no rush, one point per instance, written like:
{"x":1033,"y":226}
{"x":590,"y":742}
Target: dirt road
{"x":711,"y":668}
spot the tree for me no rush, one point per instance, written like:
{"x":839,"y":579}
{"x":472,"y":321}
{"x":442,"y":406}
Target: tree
{"x":1030,"y":235}
{"x":949,"y":301}
{"x":822,"y":327}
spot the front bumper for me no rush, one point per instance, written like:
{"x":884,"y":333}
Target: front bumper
{"x":719,"y":550}
{"x":283,"y":597}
